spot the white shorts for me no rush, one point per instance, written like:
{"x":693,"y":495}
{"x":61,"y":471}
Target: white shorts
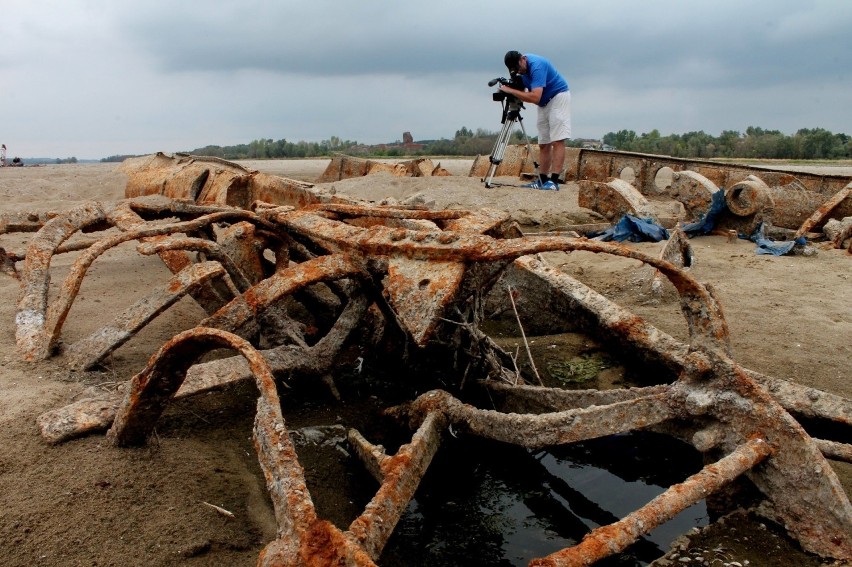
{"x":554,"y":119}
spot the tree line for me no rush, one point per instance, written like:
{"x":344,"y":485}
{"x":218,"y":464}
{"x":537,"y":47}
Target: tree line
{"x":756,"y":143}
{"x":806,"y":144}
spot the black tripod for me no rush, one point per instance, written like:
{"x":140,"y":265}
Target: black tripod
{"x":511,"y":114}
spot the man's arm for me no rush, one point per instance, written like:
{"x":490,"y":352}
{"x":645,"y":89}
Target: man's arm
{"x":533,"y":96}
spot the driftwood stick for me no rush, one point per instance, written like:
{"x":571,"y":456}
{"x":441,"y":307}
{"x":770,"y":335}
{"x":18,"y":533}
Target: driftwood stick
{"x":220,"y":510}
{"x":524,"y":336}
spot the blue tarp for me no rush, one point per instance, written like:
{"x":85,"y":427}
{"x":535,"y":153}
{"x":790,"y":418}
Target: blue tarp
{"x":633,"y":229}
{"x":766,"y":246}
{"x":708,"y":222}
{"x":636,"y":229}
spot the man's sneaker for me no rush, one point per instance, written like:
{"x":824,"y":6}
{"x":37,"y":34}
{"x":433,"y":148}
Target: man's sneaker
{"x":534,"y":185}
{"x":550,"y":186}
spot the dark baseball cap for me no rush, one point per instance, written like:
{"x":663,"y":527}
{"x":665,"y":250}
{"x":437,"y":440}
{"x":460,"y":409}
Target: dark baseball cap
{"x":512,"y":60}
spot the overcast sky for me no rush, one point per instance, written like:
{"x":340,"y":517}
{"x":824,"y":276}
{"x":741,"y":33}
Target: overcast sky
{"x":94,"y":78}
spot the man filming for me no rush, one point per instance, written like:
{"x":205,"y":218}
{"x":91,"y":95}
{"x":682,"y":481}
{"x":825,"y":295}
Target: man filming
{"x":548,"y":90}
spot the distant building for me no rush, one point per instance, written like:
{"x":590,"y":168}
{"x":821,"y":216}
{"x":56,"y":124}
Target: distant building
{"x":407,"y":145}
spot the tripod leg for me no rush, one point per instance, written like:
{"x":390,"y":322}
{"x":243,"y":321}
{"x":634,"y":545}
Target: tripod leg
{"x":499,"y":150}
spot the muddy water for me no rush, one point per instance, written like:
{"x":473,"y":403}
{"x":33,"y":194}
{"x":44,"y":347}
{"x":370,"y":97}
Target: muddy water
{"x":489,"y":504}
{"x":486,"y":503}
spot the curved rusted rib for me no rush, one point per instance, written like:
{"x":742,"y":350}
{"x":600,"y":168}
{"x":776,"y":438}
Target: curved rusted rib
{"x":555,"y":428}
{"x":209,"y":248}
{"x":35,"y":276}
{"x":153,"y":387}
{"x":247,"y":306}
{"x":611,"y":539}
{"x":58,"y":310}
{"x":706,"y":321}
{"x":645,"y":338}
{"x":151,"y":390}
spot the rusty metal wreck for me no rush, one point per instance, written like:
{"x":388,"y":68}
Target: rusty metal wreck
{"x":409,"y":279}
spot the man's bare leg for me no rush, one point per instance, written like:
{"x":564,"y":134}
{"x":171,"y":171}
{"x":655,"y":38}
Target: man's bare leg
{"x":544,"y":157}
{"x":556,"y":157}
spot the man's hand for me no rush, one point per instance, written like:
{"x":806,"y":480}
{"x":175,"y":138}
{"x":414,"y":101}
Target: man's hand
{"x":533,"y":96}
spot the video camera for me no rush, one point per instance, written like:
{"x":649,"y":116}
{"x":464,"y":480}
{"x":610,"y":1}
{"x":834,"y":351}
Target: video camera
{"x":515,"y":82}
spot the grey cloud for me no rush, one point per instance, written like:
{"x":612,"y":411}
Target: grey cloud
{"x":132,"y":77}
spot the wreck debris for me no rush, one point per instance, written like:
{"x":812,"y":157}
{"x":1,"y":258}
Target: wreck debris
{"x":613,"y":199}
{"x":603,"y":542}
{"x":677,"y":251}
{"x":838,"y":232}
{"x":344,"y":167}
{"x":613,"y":183}
{"x":824,"y":210}
{"x":693,"y":191}
{"x":419,"y":279}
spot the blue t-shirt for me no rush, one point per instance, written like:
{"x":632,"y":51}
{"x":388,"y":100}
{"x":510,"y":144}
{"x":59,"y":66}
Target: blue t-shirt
{"x":542,"y":73}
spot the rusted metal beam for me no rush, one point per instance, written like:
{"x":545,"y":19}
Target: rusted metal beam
{"x":88,"y":352}
{"x":245,"y":309}
{"x":834,"y":450}
{"x":609,"y":540}
{"x":401,"y":475}
{"x":91,"y":414}
{"x":535,"y":431}
{"x":824,"y":210}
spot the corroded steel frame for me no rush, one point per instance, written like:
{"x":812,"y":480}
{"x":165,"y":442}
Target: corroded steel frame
{"x":427,"y":273}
